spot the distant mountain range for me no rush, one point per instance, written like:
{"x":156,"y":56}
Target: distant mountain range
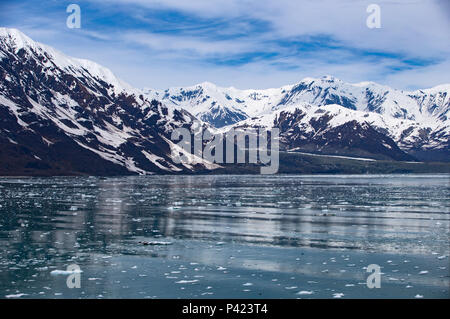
{"x":330,"y":116}
{"x":66,"y":116}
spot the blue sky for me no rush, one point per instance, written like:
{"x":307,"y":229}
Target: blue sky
{"x":247,"y":43}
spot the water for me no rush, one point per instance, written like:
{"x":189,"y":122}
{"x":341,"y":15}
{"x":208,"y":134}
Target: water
{"x":225,"y":236}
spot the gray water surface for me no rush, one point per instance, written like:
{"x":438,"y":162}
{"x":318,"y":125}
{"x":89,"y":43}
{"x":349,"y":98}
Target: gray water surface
{"x":225,"y":236}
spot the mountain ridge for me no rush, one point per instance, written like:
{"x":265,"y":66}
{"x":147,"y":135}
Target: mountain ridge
{"x":418,"y":121}
{"x":58,"y":113}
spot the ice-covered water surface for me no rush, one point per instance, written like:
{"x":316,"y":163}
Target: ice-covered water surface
{"x":225,"y":236}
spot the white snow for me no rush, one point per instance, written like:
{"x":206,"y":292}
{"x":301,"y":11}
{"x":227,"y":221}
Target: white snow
{"x":186,"y":281}
{"x":15,"y":296}
{"x":336,"y":156}
{"x":65,"y":272}
{"x":157,"y":161}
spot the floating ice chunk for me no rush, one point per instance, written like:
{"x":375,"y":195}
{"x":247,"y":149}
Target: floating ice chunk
{"x":305,"y":292}
{"x":65,"y":272}
{"x":338,"y":295}
{"x":42,"y":268}
{"x":291,"y":287}
{"x":186,"y":281}
{"x":248,"y":284}
{"x":423,"y":272}
{"x":418,"y":296}
{"x":441,"y":257}
{"x":15,"y":296}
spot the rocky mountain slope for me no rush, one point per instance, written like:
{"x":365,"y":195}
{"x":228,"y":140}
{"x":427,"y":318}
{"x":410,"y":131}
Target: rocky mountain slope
{"x":62,"y":115}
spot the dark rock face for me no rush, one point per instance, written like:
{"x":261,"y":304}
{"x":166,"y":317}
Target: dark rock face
{"x":60,"y":117}
{"x":354,"y":139}
{"x":349,"y":139}
{"x":220,"y":117}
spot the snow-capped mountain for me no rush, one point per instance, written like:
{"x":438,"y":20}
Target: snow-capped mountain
{"x":209,"y":100}
{"x":64,"y":115}
{"x":417,"y":121}
{"x":330,"y":129}
{"x":220,"y":106}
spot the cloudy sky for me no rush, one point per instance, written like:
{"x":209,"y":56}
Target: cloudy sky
{"x":247,"y":43}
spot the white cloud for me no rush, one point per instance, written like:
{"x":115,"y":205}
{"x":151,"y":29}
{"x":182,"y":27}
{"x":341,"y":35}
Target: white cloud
{"x":412,"y":29}
{"x":423,"y":78}
{"x":170,"y":43}
{"x":413,"y":26}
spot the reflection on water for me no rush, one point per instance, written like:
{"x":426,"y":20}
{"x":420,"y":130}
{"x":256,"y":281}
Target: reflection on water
{"x":278,"y":234}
